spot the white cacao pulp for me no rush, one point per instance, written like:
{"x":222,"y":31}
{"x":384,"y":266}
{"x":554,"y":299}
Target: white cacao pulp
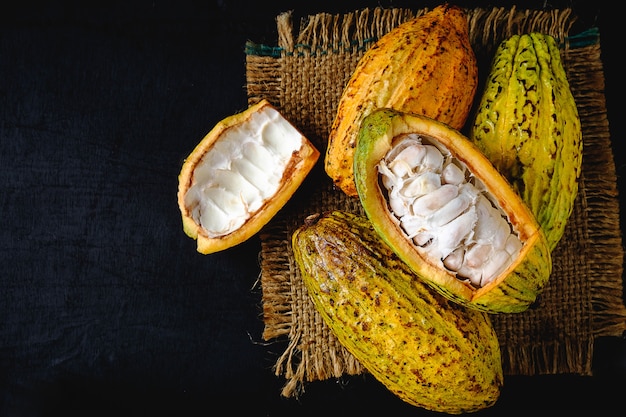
{"x":446,"y":211}
{"x":242,"y":171}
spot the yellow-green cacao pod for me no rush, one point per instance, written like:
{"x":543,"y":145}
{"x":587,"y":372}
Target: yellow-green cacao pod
{"x":527,"y":124}
{"x":425,"y":65}
{"x":446,"y":211}
{"x":427,"y":350}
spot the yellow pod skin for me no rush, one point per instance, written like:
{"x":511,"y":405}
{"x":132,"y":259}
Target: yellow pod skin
{"x":518,"y":280}
{"x":527,"y":124}
{"x":240,"y":175}
{"x":424,"y":66}
{"x":427,"y":350}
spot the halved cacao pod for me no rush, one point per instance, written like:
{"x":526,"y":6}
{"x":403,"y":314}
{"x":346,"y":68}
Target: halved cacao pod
{"x":240,"y":175}
{"x":425,"y":66}
{"x":448,"y":213}
{"x":527,"y":124}
{"x":426,"y":349}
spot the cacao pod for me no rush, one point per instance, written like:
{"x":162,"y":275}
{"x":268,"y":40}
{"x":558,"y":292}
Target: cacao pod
{"x":446,"y":211}
{"x":527,"y":124}
{"x":425,"y":66}
{"x":427,"y":350}
{"x":241,"y":173}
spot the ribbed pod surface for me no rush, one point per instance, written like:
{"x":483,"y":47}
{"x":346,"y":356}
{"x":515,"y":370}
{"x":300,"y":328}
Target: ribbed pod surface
{"x":424,"y":66}
{"x":527,"y":124}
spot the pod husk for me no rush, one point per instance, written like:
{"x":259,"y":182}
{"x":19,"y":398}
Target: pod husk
{"x":519,"y":285}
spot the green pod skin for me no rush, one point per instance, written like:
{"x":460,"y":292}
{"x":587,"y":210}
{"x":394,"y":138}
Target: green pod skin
{"x":528,"y":125}
{"x":427,"y":350}
{"x":518,"y":286}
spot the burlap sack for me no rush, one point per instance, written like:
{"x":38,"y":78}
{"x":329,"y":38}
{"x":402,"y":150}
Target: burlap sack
{"x":304,"y":76}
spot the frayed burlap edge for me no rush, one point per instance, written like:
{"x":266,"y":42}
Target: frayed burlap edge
{"x":313,"y":353}
{"x":586,"y":76}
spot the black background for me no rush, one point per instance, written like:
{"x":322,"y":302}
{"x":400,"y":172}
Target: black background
{"x":106,"y":308}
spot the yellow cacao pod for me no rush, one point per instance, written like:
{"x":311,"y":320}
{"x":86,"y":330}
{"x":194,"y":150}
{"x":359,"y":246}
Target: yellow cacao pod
{"x":240,"y":174}
{"x":423,"y":66}
{"x":441,"y":205}
{"x":428,"y":351}
{"x":527,"y":124}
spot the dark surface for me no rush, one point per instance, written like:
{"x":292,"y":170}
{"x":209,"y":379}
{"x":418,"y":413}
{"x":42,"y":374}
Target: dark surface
{"x":106,"y":308}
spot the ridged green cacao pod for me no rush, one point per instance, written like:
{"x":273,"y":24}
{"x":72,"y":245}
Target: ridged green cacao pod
{"x":446,"y":211}
{"x":427,"y":350}
{"x":527,"y":124}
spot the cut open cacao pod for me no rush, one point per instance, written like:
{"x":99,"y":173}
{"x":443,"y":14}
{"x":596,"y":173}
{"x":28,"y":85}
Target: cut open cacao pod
{"x":240,"y":175}
{"x":448,"y":213}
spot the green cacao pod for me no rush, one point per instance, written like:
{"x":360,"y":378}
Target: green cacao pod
{"x":446,"y":211}
{"x":425,"y":65}
{"x":427,"y":350}
{"x":527,"y":124}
